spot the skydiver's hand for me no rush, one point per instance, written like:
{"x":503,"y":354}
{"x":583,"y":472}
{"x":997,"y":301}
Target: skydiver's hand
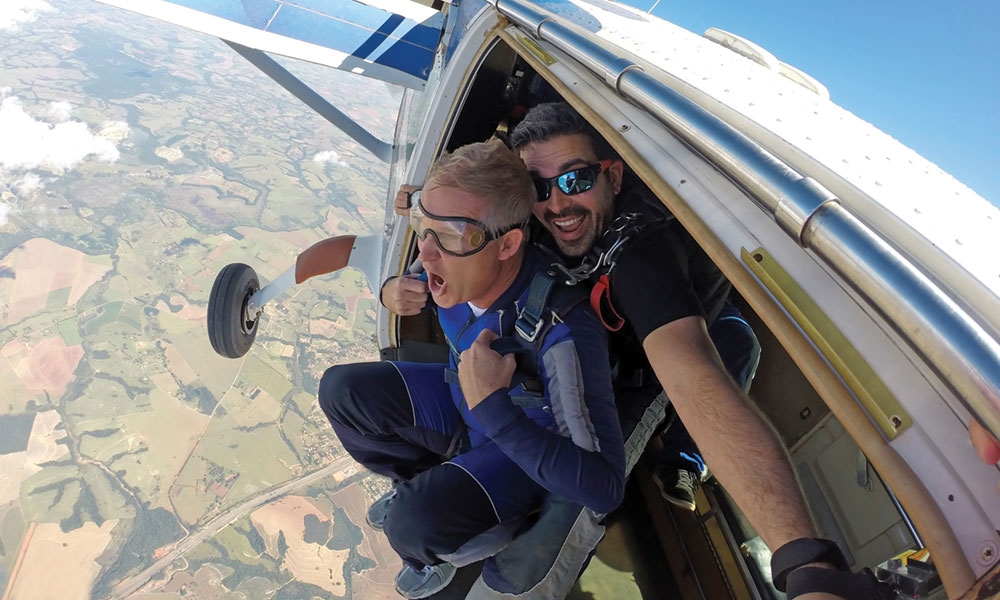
{"x":403,"y":199}
{"x":404,"y":296}
{"x":481,"y":371}
{"x":985,"y":444}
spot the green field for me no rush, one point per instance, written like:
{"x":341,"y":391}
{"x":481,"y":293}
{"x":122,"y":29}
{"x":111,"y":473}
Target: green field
{"x":269,"y":374}
{"x":12,"y":528}
{"x":58,"y":299}
{"x":51,"y":504}
{"x":106,"y":315}
{"x":69,"y":331}
{"x":238,"y":547}
{"x":103,"y":439}
{"x":102,"y":399}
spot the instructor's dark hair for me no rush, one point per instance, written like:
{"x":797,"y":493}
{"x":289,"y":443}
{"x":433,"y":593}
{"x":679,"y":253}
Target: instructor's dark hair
{"x":558,"y":118}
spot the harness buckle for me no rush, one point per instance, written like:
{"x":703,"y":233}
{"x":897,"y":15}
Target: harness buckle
{"x":522,"y":326}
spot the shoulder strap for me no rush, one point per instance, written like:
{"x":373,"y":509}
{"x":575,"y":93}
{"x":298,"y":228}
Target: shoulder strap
{"x":547,"y":300}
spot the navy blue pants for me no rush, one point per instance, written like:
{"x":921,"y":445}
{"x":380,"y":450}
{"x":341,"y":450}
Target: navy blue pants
{"x":739,"y":349}
{"x":400,"y":420}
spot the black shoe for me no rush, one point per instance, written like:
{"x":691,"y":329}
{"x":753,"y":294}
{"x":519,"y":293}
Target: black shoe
{"x":677,"y":486}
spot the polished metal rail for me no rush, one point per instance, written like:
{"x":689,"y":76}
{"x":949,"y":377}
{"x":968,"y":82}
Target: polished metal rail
{"x":958,"y":348}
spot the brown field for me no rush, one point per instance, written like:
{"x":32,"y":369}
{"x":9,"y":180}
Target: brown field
{"x":188,"y":311}
{"x":75,"y":553}
{"x":328,"y":328}
{"x":12,"y":473}
{"x":221,"y":244}
{"x":42,"y":446}
{"x":15,"y":396}
{"x":377,"y":583}
{"x":180,"y":367}
{"x":205,"y":584}
{"x":42,"y":266}
{"x":166,"y":382}
{"x":310,"y":563}
{"x":48,"y":366}
{"x":247,"y":412}
{"x":12,"y":348}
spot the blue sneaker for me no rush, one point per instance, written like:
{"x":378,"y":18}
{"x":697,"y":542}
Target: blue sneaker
{"x":421,"y":583}
{"x":379,"y":509}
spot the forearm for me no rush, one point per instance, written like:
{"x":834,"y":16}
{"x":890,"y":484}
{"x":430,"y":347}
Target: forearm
{"x":737,"y":442}
{"x":595,"y":479}
{"x":747,"y":457}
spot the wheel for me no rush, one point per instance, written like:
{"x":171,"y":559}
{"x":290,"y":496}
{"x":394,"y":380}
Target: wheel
{"x":231,"y":328}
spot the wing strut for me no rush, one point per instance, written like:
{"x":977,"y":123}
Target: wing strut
{"x":271,"y":68}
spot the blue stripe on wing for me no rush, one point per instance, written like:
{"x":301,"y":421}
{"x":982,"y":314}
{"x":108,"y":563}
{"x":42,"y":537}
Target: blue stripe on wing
{"x":366,"y":32}
{"x":408,"y":51}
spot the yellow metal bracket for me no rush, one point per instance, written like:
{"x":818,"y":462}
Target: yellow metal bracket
{"x":536,"y":49}
{"x":867,"y":386}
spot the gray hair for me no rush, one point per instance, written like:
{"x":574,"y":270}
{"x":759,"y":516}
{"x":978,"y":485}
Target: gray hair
{"x":491,"y":171}
{"x":553,"y":119}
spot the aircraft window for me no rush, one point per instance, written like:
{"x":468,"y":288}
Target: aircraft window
{"x":152,"y":157}
{"x":419,"y":107}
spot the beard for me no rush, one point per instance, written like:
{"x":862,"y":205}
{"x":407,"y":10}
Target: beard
{"x":580,"y":244}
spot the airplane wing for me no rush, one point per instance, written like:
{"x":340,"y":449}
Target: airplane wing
{"x":390,"y":40}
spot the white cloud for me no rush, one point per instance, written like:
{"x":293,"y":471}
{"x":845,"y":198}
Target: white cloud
{"x":4,"y":212}
{"x":28,"y":184}
{"x":14,"y":13}
{"x":59,"y":111}
{"x":329,"y":156}
{"x":30,"y":143}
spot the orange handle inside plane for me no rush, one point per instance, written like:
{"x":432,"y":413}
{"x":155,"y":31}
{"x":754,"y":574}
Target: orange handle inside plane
{"x":325,"y":256}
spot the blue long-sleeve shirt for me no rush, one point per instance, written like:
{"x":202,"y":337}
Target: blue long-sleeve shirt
{"x":567,"y":437}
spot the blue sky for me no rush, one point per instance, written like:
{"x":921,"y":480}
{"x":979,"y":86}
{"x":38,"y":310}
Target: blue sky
{"x":925,"y":72}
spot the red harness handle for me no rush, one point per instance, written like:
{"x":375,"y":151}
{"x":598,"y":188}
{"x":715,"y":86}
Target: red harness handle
{"x":600,"y":301}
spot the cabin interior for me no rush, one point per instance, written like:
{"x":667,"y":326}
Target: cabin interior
{"x":712,"y":553}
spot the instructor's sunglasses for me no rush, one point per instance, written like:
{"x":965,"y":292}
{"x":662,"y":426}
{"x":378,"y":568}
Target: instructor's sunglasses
{"x":457,"y":236}
{"x":577,"y":181}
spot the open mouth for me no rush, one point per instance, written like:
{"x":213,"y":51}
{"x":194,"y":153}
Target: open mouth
{"x":570,"y":226}
{"x":435,"y":283}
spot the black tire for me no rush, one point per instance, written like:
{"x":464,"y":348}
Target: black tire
{"x":230,"y":328}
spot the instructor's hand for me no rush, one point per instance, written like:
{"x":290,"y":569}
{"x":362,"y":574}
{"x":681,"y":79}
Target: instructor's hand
{"x":482,"y":371}
{"x":405,"y":296}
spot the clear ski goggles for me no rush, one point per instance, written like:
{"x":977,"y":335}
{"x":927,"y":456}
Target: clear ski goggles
{"x":571,"y":183}
{"x":456,"y":236}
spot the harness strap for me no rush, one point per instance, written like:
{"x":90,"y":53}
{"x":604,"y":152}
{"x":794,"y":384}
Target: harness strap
{"x":531,"y":318}
{"x":524,"y":374}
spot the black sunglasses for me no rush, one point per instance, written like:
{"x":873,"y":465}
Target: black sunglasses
{"x":577,"y":181}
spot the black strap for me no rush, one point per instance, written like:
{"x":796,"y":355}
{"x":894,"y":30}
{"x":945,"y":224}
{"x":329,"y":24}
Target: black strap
{"x":850,"y":586}
{"x":531,"y":318}
{"x":804,"y":551}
